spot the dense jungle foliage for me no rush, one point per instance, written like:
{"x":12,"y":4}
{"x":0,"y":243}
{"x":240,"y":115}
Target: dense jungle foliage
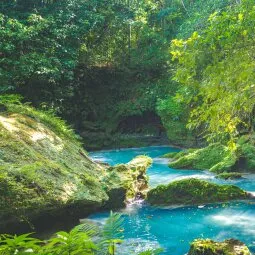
{"x":120,"y":73}
{"x":106,"y":66}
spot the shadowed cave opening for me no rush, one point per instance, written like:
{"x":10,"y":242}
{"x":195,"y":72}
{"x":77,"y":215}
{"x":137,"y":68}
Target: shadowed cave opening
{"x":149,"y":123}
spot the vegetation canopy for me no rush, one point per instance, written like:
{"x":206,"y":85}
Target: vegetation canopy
{"x":79,"y":75}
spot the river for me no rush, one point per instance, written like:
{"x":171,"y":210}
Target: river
{"x":173,"y":228}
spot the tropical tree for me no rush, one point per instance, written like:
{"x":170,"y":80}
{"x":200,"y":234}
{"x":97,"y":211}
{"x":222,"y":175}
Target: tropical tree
{"x":216,"y":70}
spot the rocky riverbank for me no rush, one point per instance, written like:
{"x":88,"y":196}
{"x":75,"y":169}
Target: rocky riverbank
{"x":46,"y":174}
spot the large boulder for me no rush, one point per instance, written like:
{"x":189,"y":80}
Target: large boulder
{"x":194,"y":191}
{"x":209,"y":247}
{"x":46,"y":173}
{"x":44,"y":168}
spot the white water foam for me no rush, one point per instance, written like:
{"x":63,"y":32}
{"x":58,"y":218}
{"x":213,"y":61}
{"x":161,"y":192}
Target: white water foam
{"x":136,"y":245}
{"x":163,"y":161}
{"x":252,"y":193}
{"x":244,"y":222}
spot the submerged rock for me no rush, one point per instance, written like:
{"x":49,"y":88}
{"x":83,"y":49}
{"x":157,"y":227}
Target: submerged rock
{"x":227,"y":247}
{"x":194,"y":191}
{"x":45,"y":173}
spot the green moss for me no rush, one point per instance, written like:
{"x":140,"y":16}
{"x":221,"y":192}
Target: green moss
{"x":43,"y":169}
{"x":13,"y":105}
{"x":227,"y":163}
{"x":127,"y":180}
{"x":169,"y":155}
{"x":247,"y":152}
{"x":119,"y":168}
{"x":209,"y":247}
{"x":140,"y":163}
{"x":227,"y":176}
{"x":177,"y":155}
{"x":193,"y":191}
{"x":215,"y":157}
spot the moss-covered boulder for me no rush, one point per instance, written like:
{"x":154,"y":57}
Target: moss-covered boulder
{"x":209,"y":247}
{"x":229,"y":176}
{"x":193,"y":191}
{"x":216,"y":158}
{"x":127,"y":181}
{"x":44,"y":167}
{"x":45,"y":172}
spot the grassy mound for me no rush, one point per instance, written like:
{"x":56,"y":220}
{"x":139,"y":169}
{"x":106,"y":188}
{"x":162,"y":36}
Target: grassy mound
{"x":193,"y":191}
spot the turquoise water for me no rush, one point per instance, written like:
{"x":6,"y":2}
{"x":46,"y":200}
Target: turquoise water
{"x":175,"y":227}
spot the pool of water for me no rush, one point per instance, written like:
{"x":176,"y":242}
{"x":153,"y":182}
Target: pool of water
{"x":174,"y":228}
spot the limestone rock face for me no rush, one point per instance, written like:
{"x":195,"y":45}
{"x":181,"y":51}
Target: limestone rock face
{"x":227,"y":247}
{"x":194,"y":191}
{"x":42,"y":171}
{"x":45,"y":172}
{"x":126,"y":182}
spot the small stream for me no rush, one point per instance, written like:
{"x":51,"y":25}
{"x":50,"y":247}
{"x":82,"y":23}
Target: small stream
{"x":173,"y":228}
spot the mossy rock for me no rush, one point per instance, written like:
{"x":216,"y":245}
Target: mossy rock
{"x":177,"y":155}
{"x":140,"y":163}
{"x":194,"y":191}
{"x":209,"y":247}
{"x":126,"y":182}
{"x":216,"y":158}
{"x":229,"y":176}
{"x":45,"y":170}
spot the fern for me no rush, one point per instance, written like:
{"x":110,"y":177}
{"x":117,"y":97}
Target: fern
{"x":85,"y":239}
{"x":111,"y":234}
{"x":19,"y":245}
{"x":77,"y":241}
{"x":113,"y":226}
